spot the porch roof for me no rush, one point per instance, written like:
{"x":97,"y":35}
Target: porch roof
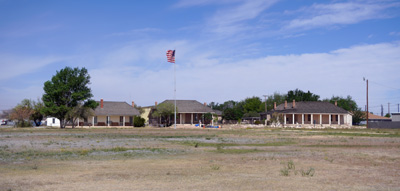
{"x":190,"y":106}
{"x":111,"y":108}
{"x":308,"y":107}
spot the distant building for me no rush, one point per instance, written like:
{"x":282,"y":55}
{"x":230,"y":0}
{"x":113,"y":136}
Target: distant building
{"x":377,"y":118}
{"x":395,"y":117}
{"x":188,"y":112}
{"x":312,"y":113}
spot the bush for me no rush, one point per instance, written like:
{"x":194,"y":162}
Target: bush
{"x":138,"y":121}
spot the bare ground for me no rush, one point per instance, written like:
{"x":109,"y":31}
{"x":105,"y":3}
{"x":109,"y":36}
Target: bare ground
{"x":199,"y":159}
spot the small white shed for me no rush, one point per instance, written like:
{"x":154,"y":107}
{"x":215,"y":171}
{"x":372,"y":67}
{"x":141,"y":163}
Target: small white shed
{"x":53,"y":122}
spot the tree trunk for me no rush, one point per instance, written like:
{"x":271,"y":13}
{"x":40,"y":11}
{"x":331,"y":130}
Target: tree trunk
{"x":62,"y":123}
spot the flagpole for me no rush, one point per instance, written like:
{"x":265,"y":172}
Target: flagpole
{"x":175,"y":93}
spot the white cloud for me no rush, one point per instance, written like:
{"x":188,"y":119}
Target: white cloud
{"x":230,"y":20}
{"x":322,"y":15}
{"x":12,"y":65}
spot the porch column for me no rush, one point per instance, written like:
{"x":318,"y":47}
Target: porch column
{"x":320,"y":119}
{"x":78,"y":122}
{"x":338,"y":118}
{"x":284,"y":119}
{"x":302,"y":119}
{"x":181,"y":119}
{"x":123,"y":121}
{"x":312,"y":119}
{"x":108,"y":121}
{"x":293,"y":118}
{"x":330,"y":119}
{"x":93,"y":121}
{"x":191,"y":121}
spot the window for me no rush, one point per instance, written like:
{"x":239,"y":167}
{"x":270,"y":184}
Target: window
{"x":130,"y":119}
{"x":95,"y":120}
{"x":54,"y":120}
{"x":121,"y":119}
{"x":309,"y":117}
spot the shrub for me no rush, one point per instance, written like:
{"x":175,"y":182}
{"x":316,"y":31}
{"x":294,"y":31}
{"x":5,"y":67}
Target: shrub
{"x":138,"y":121}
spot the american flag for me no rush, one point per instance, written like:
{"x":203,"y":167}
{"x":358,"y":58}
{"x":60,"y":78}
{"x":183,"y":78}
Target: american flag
{"x":171,"y":56}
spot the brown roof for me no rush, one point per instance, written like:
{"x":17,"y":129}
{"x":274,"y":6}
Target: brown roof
{"x":116,"y":108}
{"x":190,"y":106}
{"x":372,"y":116}
{"x":310,"y":107}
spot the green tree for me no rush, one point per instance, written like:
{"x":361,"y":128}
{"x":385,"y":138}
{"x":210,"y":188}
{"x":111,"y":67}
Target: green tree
{"x":347,"y":103}
{"x":358,"y":116}
{"x":37,"y":115}
{"x":165,"y":110}
{"x":252,"y":104}
{"x":138,"y":121}
{"x":64,"y":91}
{"x":388,"y":115}
{"x":299,"y":95}
{"x":275,"y":98}
{"x":207,"y":118}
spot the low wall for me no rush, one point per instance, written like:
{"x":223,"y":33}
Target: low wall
{"x":384,"y":124}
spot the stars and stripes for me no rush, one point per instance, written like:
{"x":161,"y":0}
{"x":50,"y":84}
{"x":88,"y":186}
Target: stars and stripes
{"x":171,"y":56}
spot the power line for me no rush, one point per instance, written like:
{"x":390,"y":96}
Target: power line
{"x":384,"y":85}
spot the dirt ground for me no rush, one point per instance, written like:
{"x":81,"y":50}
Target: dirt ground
{"x":199,"y":159}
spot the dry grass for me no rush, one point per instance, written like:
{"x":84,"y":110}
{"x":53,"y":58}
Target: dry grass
{"x":197,"y":159}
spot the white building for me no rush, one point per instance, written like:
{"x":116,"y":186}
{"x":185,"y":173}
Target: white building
{"x":52,"y":122}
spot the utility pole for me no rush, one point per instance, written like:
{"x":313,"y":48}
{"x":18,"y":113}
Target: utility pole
{"x":367,"y":102}
{"x":389,"y":108}
{"x":398,"y":110}
{"x":265,"y":98}
{"x":381,"y":110}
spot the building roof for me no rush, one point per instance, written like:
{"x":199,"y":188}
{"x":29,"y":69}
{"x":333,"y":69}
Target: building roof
{"x":377,"y":117}
{"x":190,"y":106}
{"x":310,"y":107}
{"x":115,"y":108}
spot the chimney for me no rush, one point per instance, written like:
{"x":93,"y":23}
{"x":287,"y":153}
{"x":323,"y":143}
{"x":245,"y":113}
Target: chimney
{"x":156,"y":104}
{"x":274,"y":105}
{"x":133,"y":104}
{"x":335,"y":103}
{"x":294,"y":104}
{"x":205,"y":104}
{"x":101,"y":104}
{"x":285,"y":104}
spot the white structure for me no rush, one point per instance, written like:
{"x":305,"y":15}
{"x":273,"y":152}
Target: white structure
{"x":395,"y":117}
{"x":53,"y":122}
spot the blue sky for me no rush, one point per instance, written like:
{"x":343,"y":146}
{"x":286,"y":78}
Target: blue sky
{"x":225,"y":50}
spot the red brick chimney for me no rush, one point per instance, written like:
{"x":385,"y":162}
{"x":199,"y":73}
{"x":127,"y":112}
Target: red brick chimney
{"x":205,"y":104}
{"x":156,"y":104}
{"x":274,"y":105}
{"x":335,"y":103}
{"x":101,"y":103}
{"x":285,"y":104}
{"x":133,"y":104}
{"x":294,"y":104}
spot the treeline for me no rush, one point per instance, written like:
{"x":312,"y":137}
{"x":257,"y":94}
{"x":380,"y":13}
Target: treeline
{"x":252,"y":106}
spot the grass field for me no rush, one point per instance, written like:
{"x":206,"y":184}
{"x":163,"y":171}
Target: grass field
{"x":199,"y":159}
